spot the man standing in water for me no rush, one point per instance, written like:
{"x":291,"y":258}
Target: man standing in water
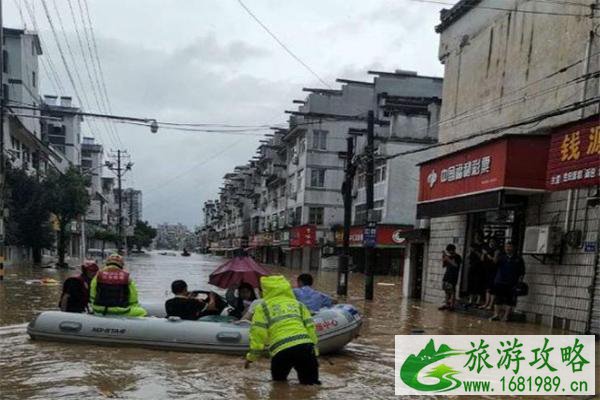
{"x":284,"y":324}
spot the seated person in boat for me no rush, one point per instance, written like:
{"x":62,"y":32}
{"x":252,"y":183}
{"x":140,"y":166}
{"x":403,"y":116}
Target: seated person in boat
{"x":244,"y":303}
{"x":311,"y":298}
{"x":76,"y":289}
{"x":113,"y":291}
{"x":187,"y":306}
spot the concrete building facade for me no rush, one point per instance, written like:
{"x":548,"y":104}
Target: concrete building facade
{"x":512,"y":71}
{"x":285,"y":206}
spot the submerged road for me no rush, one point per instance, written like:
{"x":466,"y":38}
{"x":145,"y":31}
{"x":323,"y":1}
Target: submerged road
{"x":364,"y":370}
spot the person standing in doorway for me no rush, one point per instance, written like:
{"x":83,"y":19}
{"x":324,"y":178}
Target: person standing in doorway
{"x":490,"y":255}
{"x":511,"y":270}
{"x":451,"y":262}
{"x":477,"y":273}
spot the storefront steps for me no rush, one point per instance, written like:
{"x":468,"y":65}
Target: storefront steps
{"x":465,"y":308}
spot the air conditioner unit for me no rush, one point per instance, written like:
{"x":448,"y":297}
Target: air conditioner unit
{"x":542,"y":240}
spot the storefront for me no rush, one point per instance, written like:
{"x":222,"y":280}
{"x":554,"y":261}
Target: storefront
{"x":484,"y":188}
{"x":304,"y":251}
{"x":280,"y":243}
{"x":540,"y":192}
{"x":573,"y":173}
{"x":390,"y":247}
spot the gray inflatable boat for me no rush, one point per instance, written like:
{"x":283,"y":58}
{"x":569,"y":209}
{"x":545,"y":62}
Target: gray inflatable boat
{"x":336,"y":327}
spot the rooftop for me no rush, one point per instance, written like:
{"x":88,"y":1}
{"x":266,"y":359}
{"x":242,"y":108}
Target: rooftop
{"x":450,"y":16}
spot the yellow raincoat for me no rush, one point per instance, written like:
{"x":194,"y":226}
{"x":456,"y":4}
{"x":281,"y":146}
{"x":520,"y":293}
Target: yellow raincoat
{"x":280,"y":321}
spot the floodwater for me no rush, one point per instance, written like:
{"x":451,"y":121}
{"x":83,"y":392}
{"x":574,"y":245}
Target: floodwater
{"x":364,"y":370}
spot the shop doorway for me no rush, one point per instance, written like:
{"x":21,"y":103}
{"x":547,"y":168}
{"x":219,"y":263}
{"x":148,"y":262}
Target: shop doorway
{"x":417,"y":252}
{"x":503,"y":225}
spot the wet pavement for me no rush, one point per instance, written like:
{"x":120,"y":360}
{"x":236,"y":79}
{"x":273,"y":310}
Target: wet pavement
{"x":364,"y":370}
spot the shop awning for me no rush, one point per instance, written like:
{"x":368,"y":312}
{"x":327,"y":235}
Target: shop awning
{"x":490,"y":175}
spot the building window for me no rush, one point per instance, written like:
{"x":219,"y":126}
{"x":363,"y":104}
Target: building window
{"x":360,"y":212}
{"x":302,"y":146}
{"x":298,"y":216}
{"x":315,"y":215}
{"x":380,"y":173}
{"x":5,"y":61}
{"x":5,"y":92}
{"x":33,"y":80}
{"x":317,"y":177}
{"x":299,"y":180}
{"x":319,"y":140}
{"x":361,"y":180}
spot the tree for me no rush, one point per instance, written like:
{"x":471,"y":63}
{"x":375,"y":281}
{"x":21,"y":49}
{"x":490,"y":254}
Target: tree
{"x":143,"y":234}
{"x":67,"y":198}
{"x":29,"y":218}
{"x":106,"y":236}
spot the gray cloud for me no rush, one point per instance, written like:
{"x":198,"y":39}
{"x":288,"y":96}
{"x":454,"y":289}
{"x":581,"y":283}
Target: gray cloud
{"x":209,"y":62}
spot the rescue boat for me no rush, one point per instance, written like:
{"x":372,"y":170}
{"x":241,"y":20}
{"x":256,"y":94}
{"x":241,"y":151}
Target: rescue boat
{"x":336,"y":327}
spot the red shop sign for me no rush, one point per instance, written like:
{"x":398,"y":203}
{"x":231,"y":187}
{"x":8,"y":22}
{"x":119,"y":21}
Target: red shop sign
{"x":574,"y":156}
{"x":356,"y":236}
{"x":303,"y":236}
{"x":390,"y":235}
{"x":511,"y":162}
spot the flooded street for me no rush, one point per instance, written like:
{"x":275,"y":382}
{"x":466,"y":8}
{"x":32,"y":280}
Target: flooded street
{"x":43,"y":370}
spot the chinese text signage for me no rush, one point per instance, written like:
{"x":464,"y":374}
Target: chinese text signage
{"x":303,"y":236}
{"x":574,"y":157}
{"x":488,"y":365}
{"x":514,"y":162}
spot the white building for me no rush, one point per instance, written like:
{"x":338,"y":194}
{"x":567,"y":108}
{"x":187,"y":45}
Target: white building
{"x":63,"y":135}
{"x":23,"y":144}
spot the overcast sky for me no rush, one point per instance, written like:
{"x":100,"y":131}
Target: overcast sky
{"x":209,"y":62}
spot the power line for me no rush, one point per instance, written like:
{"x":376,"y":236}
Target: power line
{"x":48,"y":58}
{"x":73,"y":59}
{"x":561,"y":14}
{"x":98,"y":64}
{"x":87,"y":67}
{"x":308,"y":68}
{"x":531,"y":120}
{"x":62,"y":55}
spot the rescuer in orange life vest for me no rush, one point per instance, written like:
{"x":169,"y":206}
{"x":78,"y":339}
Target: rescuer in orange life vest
{"x":113,"y":292}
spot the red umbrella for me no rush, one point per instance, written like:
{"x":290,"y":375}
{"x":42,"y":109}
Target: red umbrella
{"x":236,"y":271}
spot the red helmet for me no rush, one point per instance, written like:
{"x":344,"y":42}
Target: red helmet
{"x":89,"y":266}
{"x":115,"y":259}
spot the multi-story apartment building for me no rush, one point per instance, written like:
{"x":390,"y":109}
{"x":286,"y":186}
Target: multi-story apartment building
{"x":406,"y":109}
{"x":133,"y":198}
{"x":23,"y":143}
{"x":521,"y":161}
{"x":294,"y":182}
{"x":63,"y":129}
{"x":171,"y":236}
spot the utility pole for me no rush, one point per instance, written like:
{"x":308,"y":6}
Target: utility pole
{"x":119,"y":169}
{"x":120,"y":193}
{"x":371,"y":223}
{"x":342,"y":285}
{"x":2,"y":158}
